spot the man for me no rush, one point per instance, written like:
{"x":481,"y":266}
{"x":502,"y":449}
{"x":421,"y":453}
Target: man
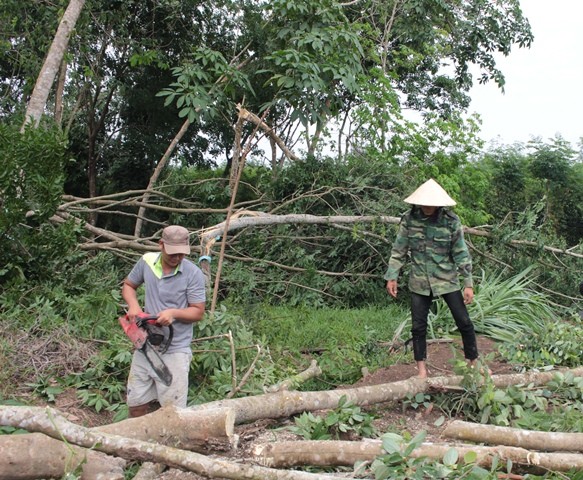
{"x":175,"y":293}
{"x":433,"y":237}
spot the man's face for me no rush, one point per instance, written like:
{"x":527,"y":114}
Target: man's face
{"x":428,"y":211}
{"x":169,"y":260}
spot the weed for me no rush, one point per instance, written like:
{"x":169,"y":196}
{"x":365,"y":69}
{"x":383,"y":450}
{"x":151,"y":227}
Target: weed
{"x":344,"y":419}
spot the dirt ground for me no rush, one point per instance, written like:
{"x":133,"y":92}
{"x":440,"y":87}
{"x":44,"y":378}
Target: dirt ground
{"x":388,"y":417}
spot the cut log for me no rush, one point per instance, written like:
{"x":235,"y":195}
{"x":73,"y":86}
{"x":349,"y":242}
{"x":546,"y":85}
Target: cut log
{"x":288,"y":403}
{"x":532,"y":440}
{"x":344,"y":453}
{"x":149,"y":471}
{"x":32,"y":456}
{"x":51,"y":423}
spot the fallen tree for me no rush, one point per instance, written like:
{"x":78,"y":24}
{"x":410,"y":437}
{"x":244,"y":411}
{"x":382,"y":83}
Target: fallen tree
{"x":52,"y":423}
{"x":31,"y":456}
{"x":330,"y":453}
{"x":229,"y":412}
{"x":286,"y":403}
{"x":534,"y":440}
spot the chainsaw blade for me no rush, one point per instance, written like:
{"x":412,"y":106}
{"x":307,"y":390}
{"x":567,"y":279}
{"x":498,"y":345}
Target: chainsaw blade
{"x":155,"y":360}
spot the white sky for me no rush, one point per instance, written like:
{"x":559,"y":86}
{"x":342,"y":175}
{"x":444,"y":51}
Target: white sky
{"x":544,"y":84}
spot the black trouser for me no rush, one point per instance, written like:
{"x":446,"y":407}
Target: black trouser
{"x":420,"y":309}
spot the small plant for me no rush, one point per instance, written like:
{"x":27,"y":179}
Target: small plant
{"x":559,"y":346}
{"x":399,"y":463}
{"x":46,"y":388}
{"x":346,"y":418}
{"x":418,"y":400}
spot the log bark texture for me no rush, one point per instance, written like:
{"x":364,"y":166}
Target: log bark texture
{"x":51,"y":423}
{"x":288,"y":403}
{"x":31,"y":456}
{"x":344,"y":453}
{"x":533,"y":440}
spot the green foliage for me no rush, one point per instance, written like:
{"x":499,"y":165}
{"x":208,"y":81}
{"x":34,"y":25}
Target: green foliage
{"x":31,"y":182}
{"x":526,"y":406}
{"x":46,"y":388}
{"x":344,"y":340}
{"x":211,"y":371}
{"x":559,"y":344}
{"x":397,"y":462}
{"x":202,"y":86}
{"x":346,"y":418}
{"x":503,"y":309}
{"x":416,"y":400}
{"x":101,"y":384}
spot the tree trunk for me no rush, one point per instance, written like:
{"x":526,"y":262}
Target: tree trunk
{"x":533,"y":440}
{"x":291,"y":383}
{"x":51,"y":423}
{"x":46,"y":77}
{"x":157,"y":171}
{"x":36,"y":455}
{"x":285,"y":404}
{"x":343,"y":453}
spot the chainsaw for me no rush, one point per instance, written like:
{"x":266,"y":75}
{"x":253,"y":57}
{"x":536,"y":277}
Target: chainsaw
{"x":151,"y":339}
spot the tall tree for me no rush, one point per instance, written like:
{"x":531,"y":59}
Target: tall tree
{"x":53,"y":60}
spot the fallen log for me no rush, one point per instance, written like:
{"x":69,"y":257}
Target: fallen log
{"x":32,"y":456}
{"x":290,"y":383}
{"x":287,"y":403}
{"x":53,"y":424}
{"x":331,"y":453}
{"x":532,"y":440}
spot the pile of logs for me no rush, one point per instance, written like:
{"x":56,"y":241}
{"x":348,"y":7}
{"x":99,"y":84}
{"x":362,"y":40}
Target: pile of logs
{"x":176,"y":437}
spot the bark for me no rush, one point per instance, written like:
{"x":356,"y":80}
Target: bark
{"x":251,"y":117}
{"x":51,"y":423}
{"x":149,"y":471}
{"x":157,"y":171}
{"x":34,"y":455}
{"x":285,"y":404}
{"x":312,"y":371}
{"x":46,"y":77}
{"x":344,"y":453}
{"x":533,"y":440}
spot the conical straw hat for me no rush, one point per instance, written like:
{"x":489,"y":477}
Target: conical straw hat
{"x":430,"y":194}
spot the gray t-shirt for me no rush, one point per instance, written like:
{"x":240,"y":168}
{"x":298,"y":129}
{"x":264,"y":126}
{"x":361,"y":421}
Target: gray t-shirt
{"x":178,"y":289}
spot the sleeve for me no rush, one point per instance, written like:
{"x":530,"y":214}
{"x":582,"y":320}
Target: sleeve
{"x":136,"y":276}
{"x":399,"y":251}
{"x":196,"y":292}
{"x":461,"y":255}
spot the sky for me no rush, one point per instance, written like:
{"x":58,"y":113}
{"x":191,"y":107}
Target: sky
{"x":544,"y":84}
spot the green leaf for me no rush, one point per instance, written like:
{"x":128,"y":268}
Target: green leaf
{"x":451,"y":457}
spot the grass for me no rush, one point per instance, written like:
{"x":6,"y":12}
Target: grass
{"x":297,"y":329}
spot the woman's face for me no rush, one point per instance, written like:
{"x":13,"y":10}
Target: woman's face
{"x":428,"y":211}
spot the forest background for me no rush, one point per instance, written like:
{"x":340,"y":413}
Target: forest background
{"x":280,"y":133}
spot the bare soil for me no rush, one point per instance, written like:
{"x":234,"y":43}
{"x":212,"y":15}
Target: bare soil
{"x":388,"y":417}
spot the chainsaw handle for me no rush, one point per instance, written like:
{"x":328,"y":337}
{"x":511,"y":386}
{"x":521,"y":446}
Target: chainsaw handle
{"x":143,"y":318}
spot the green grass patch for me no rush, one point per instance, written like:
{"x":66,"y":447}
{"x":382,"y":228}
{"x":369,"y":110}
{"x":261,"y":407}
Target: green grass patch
{"x":343,"y":341}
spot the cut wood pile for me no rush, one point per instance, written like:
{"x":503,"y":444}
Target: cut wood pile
{"x":201,"y":439}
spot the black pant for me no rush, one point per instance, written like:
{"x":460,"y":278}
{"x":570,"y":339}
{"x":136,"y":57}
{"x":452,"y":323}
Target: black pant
{"x":420,"y":309}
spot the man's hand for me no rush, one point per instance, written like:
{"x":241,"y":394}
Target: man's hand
{"x":468,"y":295}
{"x":392,"y":288}
{"x":166,"y":317}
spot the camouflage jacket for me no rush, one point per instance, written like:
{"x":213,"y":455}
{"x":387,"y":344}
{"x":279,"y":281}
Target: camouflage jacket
{"x":438,"y":252}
